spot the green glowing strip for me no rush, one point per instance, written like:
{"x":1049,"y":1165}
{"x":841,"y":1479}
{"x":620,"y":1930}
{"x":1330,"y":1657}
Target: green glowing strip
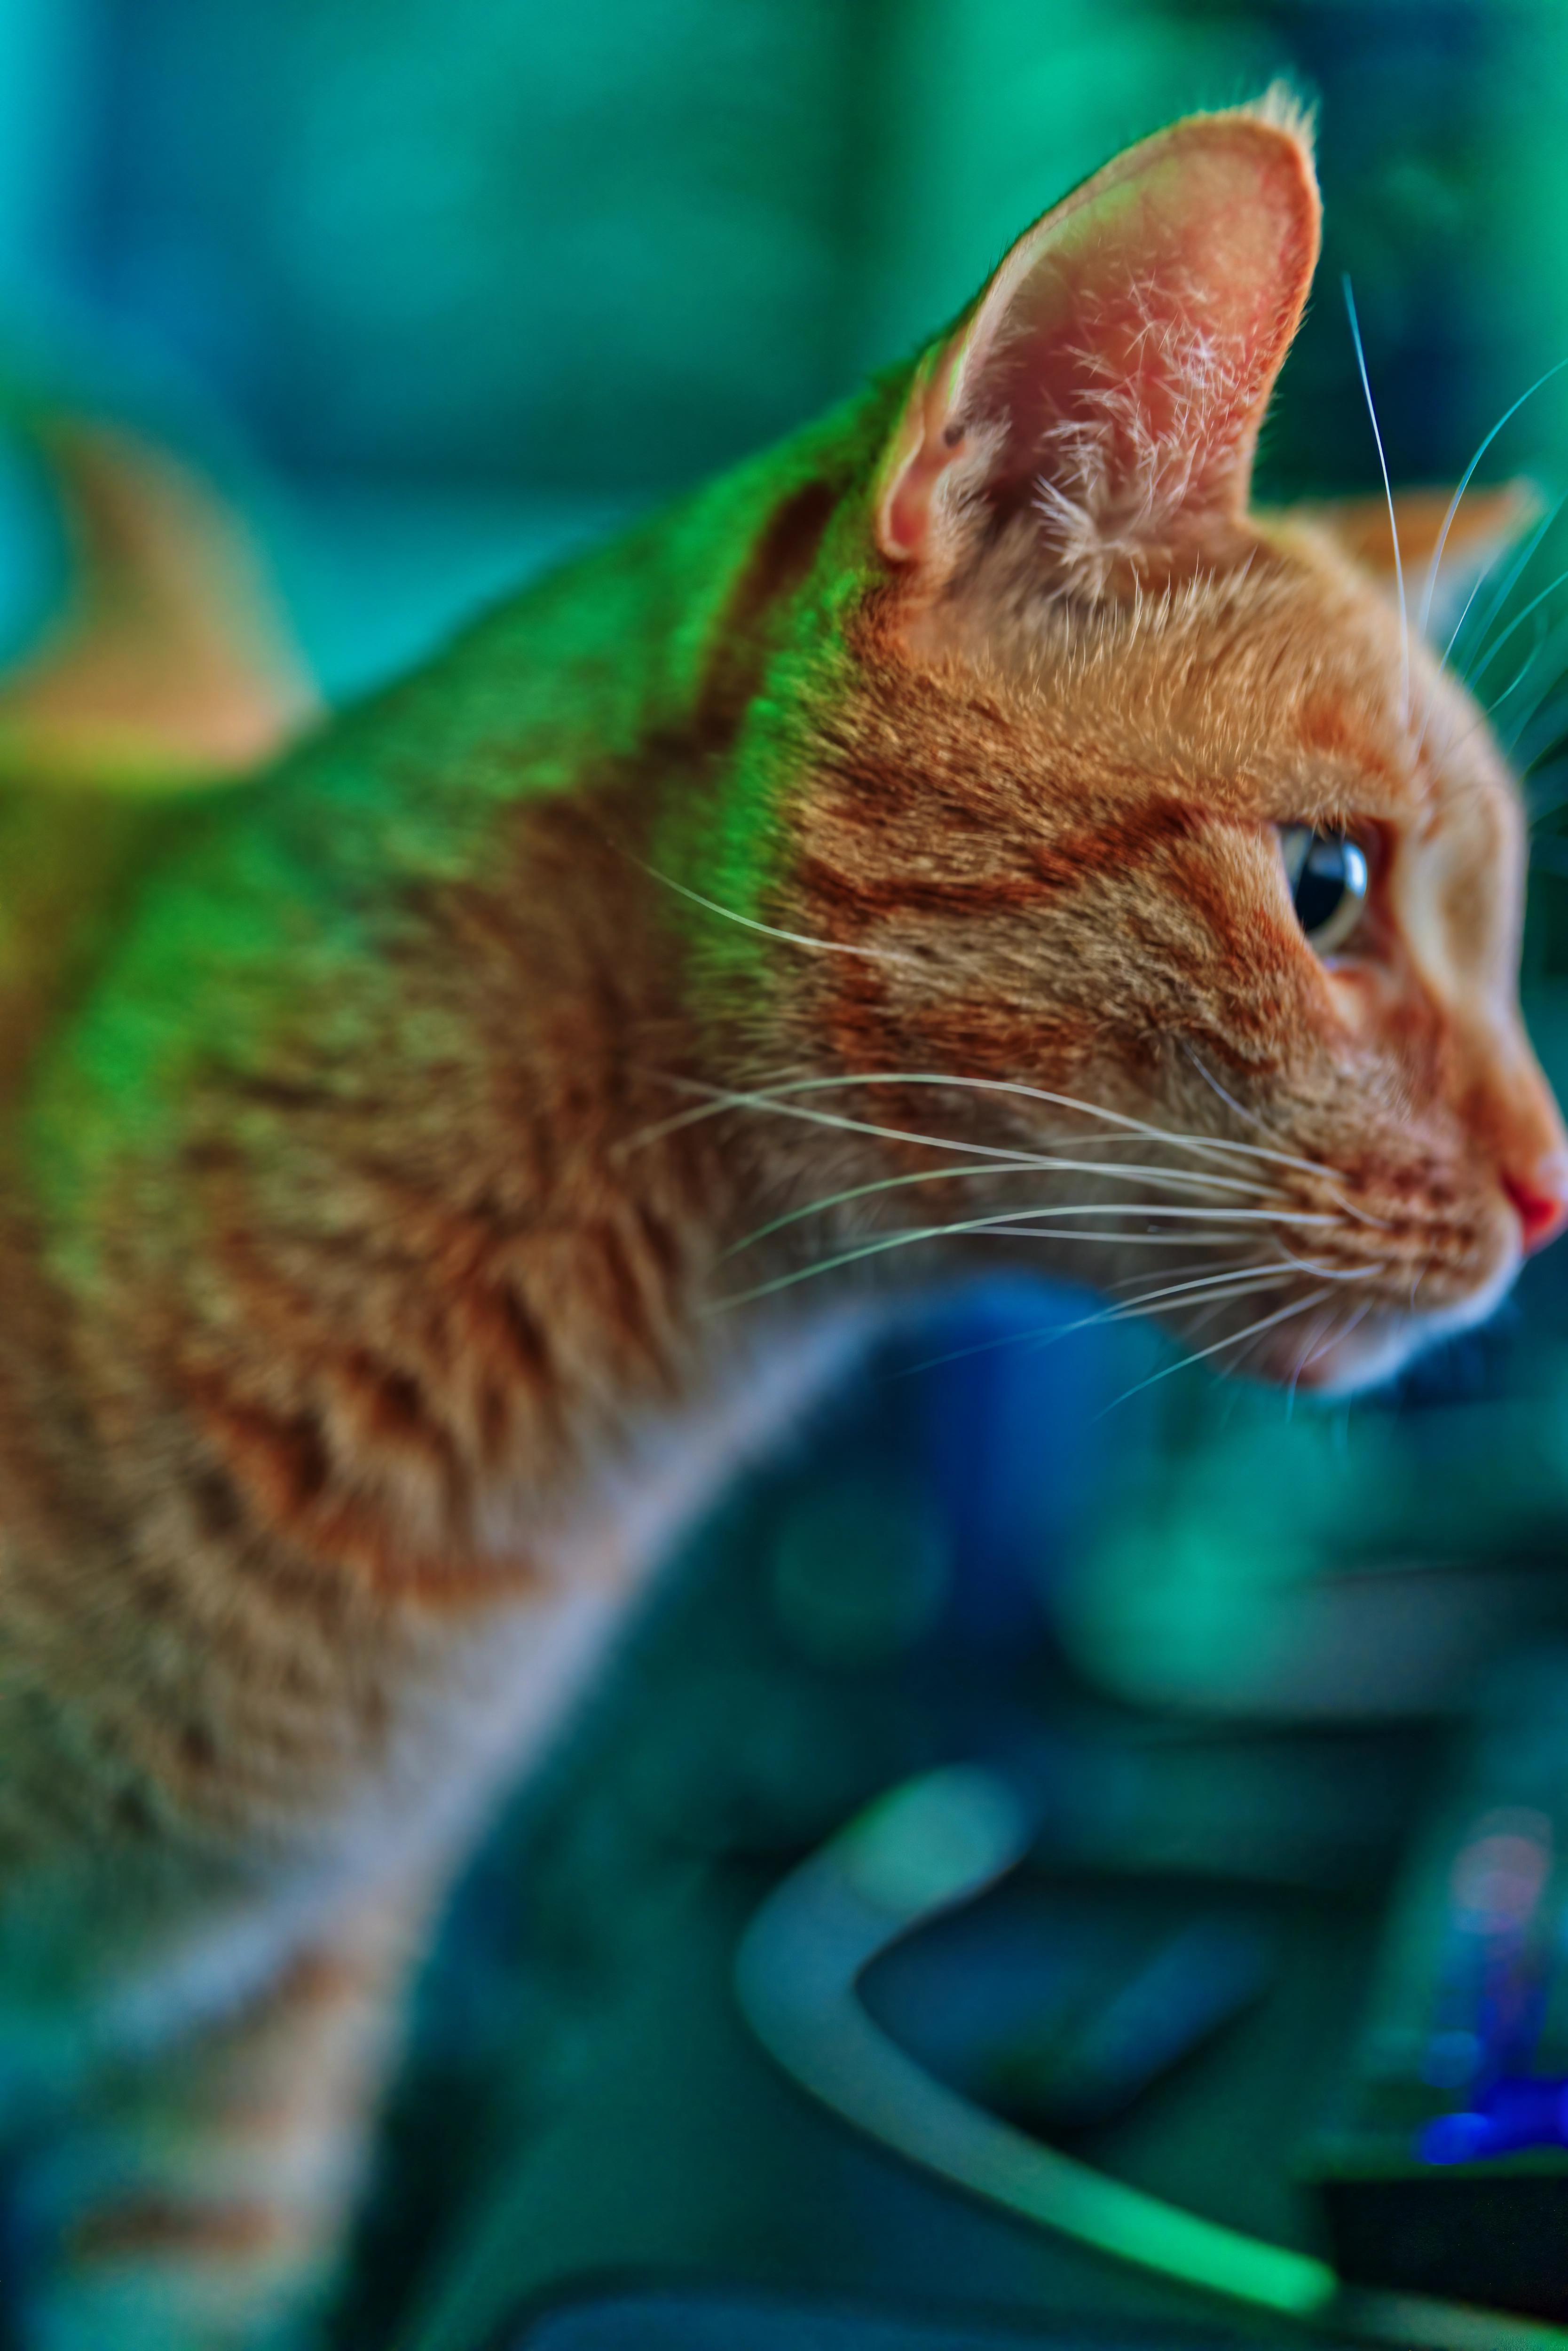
{"x":930,"y":1845}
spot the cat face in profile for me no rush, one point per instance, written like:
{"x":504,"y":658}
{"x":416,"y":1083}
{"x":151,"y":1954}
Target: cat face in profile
{"x":1161,"y":874}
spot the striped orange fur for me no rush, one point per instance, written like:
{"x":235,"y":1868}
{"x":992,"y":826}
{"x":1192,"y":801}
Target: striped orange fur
{"x":424,"y":1164}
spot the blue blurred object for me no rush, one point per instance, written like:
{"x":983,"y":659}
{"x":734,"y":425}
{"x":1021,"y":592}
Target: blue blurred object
{"x":1513,"y":2115}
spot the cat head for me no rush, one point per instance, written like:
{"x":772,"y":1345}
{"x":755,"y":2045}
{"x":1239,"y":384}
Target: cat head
{"x":1171,"y":890}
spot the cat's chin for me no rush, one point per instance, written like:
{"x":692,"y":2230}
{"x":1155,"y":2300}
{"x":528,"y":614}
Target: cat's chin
{"x":1378,"y":1348}
{"x":1363,"y":1358}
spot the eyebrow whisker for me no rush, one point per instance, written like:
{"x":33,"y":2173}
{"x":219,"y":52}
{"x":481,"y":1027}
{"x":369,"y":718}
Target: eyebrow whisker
{"x":1388,"y":494}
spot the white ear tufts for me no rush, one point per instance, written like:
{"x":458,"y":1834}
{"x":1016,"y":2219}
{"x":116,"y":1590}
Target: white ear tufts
{"x":1105,"y":390}
{"x":1111,"y":487}
{"x":1283,"y":109}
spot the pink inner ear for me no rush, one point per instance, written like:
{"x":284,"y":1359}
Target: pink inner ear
{"x":1128,"y":344}
{"x":1150,"y":326}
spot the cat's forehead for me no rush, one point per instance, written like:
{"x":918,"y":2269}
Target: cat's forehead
{"x":1286,"y":689}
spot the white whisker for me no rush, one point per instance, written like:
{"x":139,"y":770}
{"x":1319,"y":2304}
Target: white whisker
{"x":771,"y":930}
{"x":1474,"y":675}
{"x":1252,"y":1118}
{"x":1042,"y":1335}
{"x":882,"y":1184}
{"x":1542,"y":702}
{"x":1007,"y":1086}
{"x":1228,"y":1279}
{"x":1482,"y":652}
{"x":1253,"y":1331}
{"x":1204,"y":1315}
{"x":1171,"y":1273}
{"x":1334,"y":1334}
{"x":1517,"y":569}
{"x":1011,"y":1155}
{"x":1177,"y":1177}
{"x":1343,"y":1331}
{"x":1521,"y":674}
{"x":1012,"y":1226}
{"x":1436,"y":562}
{"x":1329,"y":1272}
{"x":1388,"y":494}
{"x":1505,"y":586}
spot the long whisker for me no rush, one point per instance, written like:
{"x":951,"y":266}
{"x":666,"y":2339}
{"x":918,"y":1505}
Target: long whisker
{"x":1516,"y":570}
{"x":1045,"y":1335}
{"x":719,"y":1098}
{"x":1019,"y":1224}
{"x":770,"y":930}
{"x":1512,"y":574}
{"x":1206,"y":1310}
{"x":841,"y":1123}
{"x":1388,"y":494}
{"x":1480,"y":652}
{"x":1253,"y":1331}
{"x":1528,"y":716}
{"x":1295,"y":1380}
{"x":1492,"y":651}
{"x":1252,"y":1118}
{"x":1334,"y":1332}
{"x":1357,"y":1318}
{"x":882,"y":1184}
{"x":1248,"y":1117}
{"x":1543,"y":700}
{"x":1013,"y":1087}
{"x":1178,"y":1177}
{"x":1170,"y":1272}
{"x":1245,"y":1284}
{"x":1436,"y":564}
{"x":1249,"y":1274}
{"x":1329,"y":1272}
{"x":1226,"y":1280}
{"x":1337,"y":1332}
{"x":716,"y":1100}
{"x":1516,"y":680}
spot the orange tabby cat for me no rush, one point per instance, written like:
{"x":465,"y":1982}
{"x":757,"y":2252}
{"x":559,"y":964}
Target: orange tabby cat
{"x":966,"y":822}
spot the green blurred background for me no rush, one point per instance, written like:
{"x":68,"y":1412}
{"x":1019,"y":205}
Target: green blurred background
{"x":527,"y":266}
{"x":443,"y":287}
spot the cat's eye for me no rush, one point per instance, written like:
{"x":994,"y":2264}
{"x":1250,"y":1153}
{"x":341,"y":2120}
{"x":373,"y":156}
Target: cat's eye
{"x":1329,"y":876}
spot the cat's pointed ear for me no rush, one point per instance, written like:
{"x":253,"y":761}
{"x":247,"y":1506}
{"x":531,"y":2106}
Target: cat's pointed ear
{"x":1485,"y":525}
{"x":1110,"y":378}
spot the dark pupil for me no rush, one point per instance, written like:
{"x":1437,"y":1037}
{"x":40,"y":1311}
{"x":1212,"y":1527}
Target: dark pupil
{"x":1320,"y":883}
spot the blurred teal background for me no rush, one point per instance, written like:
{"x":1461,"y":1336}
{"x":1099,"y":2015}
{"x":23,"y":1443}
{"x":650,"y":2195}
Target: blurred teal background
{"x":494,"y":270}
{"x":443,"y":287}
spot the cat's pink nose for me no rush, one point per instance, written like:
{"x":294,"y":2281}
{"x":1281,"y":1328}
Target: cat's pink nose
{"x":1540,"y":1198}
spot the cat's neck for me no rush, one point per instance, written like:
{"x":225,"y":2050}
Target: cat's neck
{"x":376,"y":1167}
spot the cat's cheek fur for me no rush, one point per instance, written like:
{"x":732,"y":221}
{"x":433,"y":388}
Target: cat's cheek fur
{"x":1357,"y":993}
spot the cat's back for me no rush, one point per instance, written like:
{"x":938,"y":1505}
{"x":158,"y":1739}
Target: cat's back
{"x":71,"y":860}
